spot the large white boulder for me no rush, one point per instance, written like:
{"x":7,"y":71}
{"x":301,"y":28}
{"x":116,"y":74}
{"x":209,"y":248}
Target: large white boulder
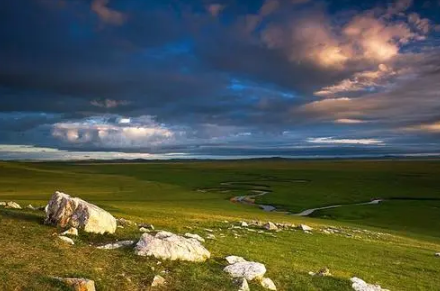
{"x":361,"y":285}
{"x":167,"y":245}
{"x":66,"y":211}
{"x":247,"y":270}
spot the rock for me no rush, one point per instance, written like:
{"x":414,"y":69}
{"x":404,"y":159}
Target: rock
{"x":247,"y":270}
{"x":234,"y":259}
{"x":31,"y":207}
{"x":124,"y":222}
{"x":361,"y":285}
{"x":13,"y":205}
{"x":119,"y":226}
{"x":324,"y":272}
{"x":78,"y":284}
{"x":66,"y":239}
{"x":242,"y":284}
{"x":304,"y":227}
{"x":71,"y":231}
{"x":437,"y":254}
{"x":270,"y":226}
{"x":2,"y":203}
{"x":143,"y":229}
{"x":116,"y":245}
{"x":208,"y":230}
{"x":268,"y":284}
{"x":210,"y":236}
{"x":147,"y":226}
{"x":244,"y":224}
{"x":65,"y":211}
{"x":157,"y":281}
{"x":312,"y":273}
{"x":194,"y":236}
{"x":166,"y":245}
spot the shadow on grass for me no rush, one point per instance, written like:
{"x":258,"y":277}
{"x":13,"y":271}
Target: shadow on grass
{"x":35,"y":216}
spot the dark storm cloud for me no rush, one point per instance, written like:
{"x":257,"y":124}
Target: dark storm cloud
{"x":207,"y":77}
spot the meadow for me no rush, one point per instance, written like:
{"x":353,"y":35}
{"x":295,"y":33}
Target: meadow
{"x":396,"y":250}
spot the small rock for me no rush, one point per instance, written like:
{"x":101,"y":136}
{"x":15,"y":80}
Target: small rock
{"x":242,"y":284}
{"x":78,"y":284}
{"x":120,"y":226}
{"x":124,"y":222}
{"x":437,"y":254}
{"x":71,"y":231}
{"x":194,"y":236}
{"x":247,"y":270}
{"x":147,"y":226}
{"x":208,"y":230}
{"x":31,"y":207}
{"x":66,"y":239}
{"x":312,"y":273}
{"x":13,"y":205}
{"x":2,"y":203}
{"x":157,"y":281}
{"x":304,"y":227}
{"x":361,"y":285}
{"x":324,"y":272}
{"x":268,"y":284}
{"x":210,"y":236}
{"x":143,"y":229}
{"x":244,"y":224}
{"x":116,"y":245}
{"x":234,"y":259}
{"x":270,"y":226}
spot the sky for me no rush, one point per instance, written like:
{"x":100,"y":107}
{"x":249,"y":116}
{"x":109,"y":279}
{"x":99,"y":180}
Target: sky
{"x":126,"y":79}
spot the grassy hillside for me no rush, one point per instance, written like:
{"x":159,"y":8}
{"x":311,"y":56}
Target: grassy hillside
{"x":165,"y":194}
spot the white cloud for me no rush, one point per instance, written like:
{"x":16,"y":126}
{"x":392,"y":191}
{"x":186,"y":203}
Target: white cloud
{"x":331,"y":140}
{"x":349,"y":121}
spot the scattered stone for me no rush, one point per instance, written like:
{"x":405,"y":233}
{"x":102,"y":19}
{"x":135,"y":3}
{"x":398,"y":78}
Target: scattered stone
{"x":270,"y":226}
{"x":361,"y":285}
{"x":208,"y":230}
{"x":117,"y":245}
{"x":78,"y":284}
{"x":247,"y":270}
{"x":13,"y":205}
{"x":157,"y":281}
{"x":234,"y":259}
{"x":71,"y":231}
{"x":324,"y":272}
{"x":166,"y":245}
{"x":312,"y":273}
{"x":210,"y":236}
{"x":242,"y":284}
{"x":194,"y":236}
{"x":251,"y":230}
{"x":66,"y":239}
{"x":120,"y":226}
{"x":124,"y":222}
{"x":65,"y":211}
{"x":304,"y":227}
{"x":244,"y":224}
{"x":31,"y":207}
{"x":268,"y":284}
{"x":143,"y":229}
{"x":2,"y":203}
{"x":437,"y":254}
{"x":147,"y":226}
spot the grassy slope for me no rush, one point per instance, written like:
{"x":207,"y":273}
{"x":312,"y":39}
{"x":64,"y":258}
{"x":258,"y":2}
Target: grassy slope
{"x":163,"y":194}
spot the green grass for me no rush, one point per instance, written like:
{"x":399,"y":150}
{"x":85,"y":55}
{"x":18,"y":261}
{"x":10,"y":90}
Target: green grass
{"x":165,"y":195}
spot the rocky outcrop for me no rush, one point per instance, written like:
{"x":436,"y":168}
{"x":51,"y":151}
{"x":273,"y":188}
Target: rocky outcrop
{"x":361,"y":285}
{"x":169,"y":246}
{"x":78,"y":284}
{"x":66,"y":211}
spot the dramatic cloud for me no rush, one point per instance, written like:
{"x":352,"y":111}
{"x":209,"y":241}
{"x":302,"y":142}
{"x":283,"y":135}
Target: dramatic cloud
{"x":219,"y":78}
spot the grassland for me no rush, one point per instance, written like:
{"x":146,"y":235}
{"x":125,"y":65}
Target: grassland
{"x":165,"y":194}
